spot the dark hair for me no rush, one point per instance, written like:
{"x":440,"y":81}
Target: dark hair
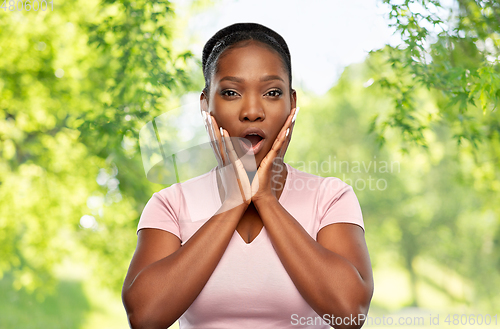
{"x":232,"y":34}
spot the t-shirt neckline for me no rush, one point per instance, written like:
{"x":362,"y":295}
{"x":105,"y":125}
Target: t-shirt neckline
{"x":282,"y":198}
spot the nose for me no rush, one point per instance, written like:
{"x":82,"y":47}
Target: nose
{"x":252,"y":109}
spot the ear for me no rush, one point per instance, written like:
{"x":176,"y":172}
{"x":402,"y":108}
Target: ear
{"x":293,"y":99}
{"x":203,"y":101}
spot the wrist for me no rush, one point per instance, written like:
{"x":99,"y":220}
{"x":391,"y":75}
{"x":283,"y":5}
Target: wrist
{"x":264,"y":200}
{"x":236,"y":205}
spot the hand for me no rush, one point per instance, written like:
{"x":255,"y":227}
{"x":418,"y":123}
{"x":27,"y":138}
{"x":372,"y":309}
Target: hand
{"x":265,"y":183}
{"x":231,"y":170}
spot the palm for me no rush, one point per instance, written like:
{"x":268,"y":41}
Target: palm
{"x":231,"y":171}
{"x":264,"y":184}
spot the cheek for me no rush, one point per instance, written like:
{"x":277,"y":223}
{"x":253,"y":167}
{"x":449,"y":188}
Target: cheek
{"x":280,"y":119}
{"x":222,"y":115}
{"x":282,"y":114}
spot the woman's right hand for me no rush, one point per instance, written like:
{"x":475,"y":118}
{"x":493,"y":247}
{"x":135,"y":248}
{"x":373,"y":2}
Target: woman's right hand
{"x":237,"y":188}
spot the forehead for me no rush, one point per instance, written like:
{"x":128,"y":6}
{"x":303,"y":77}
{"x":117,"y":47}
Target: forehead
{"x":250,"y":58}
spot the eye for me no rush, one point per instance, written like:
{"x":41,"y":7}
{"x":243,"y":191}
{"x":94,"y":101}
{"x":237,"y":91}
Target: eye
{"x":274,"y":93}
{"x":229,"y":93}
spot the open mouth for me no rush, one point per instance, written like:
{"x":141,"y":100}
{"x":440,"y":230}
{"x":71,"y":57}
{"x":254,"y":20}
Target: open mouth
{"x":254,"y":139}
{"x":252,"y":142}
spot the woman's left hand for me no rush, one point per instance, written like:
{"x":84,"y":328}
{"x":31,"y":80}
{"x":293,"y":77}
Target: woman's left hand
{"x":265,"y":184}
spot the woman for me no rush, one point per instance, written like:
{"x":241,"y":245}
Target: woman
{"x":251,"y":243}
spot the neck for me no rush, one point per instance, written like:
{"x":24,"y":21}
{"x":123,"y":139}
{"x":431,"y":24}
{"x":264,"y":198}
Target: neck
{"x":251,"y":175}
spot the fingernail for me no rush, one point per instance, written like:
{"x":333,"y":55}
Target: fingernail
{"x":295,"y":115}
{"x":287,"y":131}
{"x":221,"y":133}
{"x":204,"y":114}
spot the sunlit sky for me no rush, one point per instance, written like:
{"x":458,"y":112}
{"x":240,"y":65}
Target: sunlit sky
{"x":324,"y":36}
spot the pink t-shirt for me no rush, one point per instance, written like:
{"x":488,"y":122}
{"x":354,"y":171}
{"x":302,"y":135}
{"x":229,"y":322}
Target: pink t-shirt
{"x":250,"y":288}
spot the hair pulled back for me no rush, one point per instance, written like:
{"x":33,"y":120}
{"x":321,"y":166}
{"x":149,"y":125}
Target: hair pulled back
{"x":231,"y":35}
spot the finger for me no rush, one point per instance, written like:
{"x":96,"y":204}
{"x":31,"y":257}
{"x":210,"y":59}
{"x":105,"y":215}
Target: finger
{"x":218,"y":136}
{"x":284,"y":147}
{"x":288,"y":133}
{"x":205,"y":122}
{"x":209,"y":129}
{"x":237,"y":165}
{"x":278,"y":143}
{"x":287,"y":123}
{"x":284,"y":133}
{"x":213,"y":140}
{"x":230,"y":147}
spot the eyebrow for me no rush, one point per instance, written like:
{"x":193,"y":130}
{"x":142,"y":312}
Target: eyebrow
{"x":266,"y":78}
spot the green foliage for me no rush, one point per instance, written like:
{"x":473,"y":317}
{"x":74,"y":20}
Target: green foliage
{"x":456,"y":56}
{"x":134,"y":40}
{"x":419,"y":207}
{"x":67,"y":308}
{"x":77,"y":84}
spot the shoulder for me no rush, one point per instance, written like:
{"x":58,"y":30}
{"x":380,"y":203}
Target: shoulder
{"x":168,"y":208}
{"x":335,"y":201}
{"x":176,"y":196}
{"x":194,"y":186}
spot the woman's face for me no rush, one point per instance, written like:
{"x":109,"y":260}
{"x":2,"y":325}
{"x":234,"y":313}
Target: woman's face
{"x":250,"y":89}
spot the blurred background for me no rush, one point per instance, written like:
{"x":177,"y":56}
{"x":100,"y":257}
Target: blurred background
{"x":398,"y":98}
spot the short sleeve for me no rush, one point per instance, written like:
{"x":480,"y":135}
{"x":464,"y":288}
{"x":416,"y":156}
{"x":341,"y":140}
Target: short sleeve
{"x":160,"y":213}
{"x":338,"y":204}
